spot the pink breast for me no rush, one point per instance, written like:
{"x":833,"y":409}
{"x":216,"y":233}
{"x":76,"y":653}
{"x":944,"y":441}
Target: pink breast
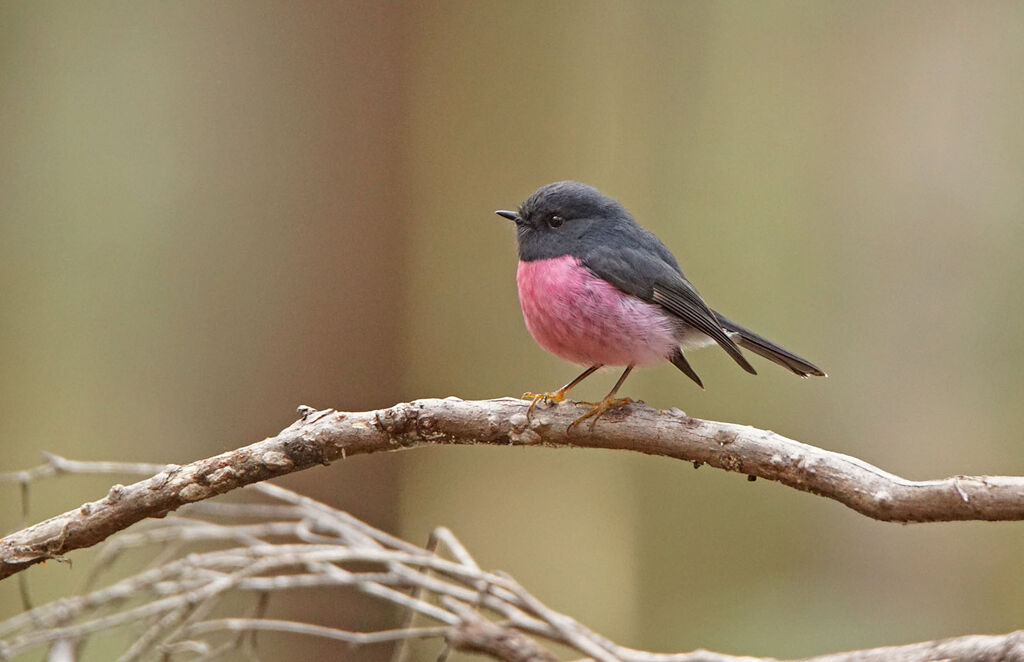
{"x":581,"y":318}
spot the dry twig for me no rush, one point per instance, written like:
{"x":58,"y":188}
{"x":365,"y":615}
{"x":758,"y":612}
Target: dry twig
{"x":299,"y":543}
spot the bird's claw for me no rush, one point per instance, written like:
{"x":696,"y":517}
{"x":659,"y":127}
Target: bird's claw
{"x":548,"y":398}
{"x":598,"y":410}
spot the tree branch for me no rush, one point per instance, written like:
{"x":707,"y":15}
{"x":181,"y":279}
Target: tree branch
{"x":478,"y":635}
{"x":217,"y":561}
{"x":322,"y":437}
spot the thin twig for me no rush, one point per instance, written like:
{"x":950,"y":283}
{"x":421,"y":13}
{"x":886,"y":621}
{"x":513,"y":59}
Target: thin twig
{"x":318,"y":546}
{"x":292,"y":627}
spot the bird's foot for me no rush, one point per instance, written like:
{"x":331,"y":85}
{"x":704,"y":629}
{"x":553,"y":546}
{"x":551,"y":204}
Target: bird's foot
{"x":547,"y":398}
{"x":599,"y":408}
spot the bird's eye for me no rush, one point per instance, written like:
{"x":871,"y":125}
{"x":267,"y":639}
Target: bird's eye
{"x":555,"y":221}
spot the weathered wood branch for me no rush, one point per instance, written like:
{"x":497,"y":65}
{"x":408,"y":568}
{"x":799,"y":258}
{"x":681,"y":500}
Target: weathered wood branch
{"x":253,"y":550}
{"x":322,"y":437}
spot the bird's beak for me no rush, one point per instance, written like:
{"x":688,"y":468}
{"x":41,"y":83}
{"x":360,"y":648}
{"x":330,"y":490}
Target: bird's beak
{"x":510,"y":215}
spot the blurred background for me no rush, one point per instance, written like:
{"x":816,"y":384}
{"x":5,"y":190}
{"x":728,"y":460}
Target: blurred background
{"x":211,"y":213}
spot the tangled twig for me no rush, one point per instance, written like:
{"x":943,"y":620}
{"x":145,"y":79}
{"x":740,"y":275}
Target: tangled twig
{"x":314,"y":545}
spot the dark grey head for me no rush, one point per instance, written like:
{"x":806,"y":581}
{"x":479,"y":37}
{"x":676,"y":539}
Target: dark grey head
{"x":565,"y":218}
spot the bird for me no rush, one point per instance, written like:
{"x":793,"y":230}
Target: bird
{"x":597,"y":289}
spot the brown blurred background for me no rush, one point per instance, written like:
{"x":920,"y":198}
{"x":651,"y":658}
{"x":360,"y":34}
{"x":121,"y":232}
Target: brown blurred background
{"x":213,"y":212}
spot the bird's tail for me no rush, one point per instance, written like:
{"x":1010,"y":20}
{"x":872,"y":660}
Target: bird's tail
{"x":762,"y":346}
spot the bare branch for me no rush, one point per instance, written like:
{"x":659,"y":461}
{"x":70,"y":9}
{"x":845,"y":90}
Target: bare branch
{"x":169,"y":605}
{"x":976,"y":648}
{"x":322,"y":437}
{"x":307,"y":629}
{"x":478,"y":635}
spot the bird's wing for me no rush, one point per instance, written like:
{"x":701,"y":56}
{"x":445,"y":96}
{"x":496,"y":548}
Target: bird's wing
{"x":638,"y":272}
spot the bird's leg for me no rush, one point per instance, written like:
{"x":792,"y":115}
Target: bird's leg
{"x":599,"y":408}
{"x":559,"y":395}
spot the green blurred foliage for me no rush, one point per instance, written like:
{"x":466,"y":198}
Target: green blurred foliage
{"x":213,"y":212}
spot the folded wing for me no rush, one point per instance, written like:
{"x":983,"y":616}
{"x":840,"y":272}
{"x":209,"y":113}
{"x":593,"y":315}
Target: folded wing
{"x":646,"y":275}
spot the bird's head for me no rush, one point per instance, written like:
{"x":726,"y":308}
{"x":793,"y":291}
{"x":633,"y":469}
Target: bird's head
{"x":560,"y":218}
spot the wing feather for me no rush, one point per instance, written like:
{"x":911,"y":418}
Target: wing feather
{"x":646,"y":275}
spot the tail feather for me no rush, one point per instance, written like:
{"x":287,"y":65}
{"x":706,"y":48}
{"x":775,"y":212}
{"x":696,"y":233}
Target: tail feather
{"x":762,"y":346}
{"x":679,"y":361}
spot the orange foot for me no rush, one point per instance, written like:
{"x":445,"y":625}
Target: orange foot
{"x":547,"y":398}
{"x":599,"y":408}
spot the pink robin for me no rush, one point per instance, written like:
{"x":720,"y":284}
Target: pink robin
{"x":598,"y":290}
